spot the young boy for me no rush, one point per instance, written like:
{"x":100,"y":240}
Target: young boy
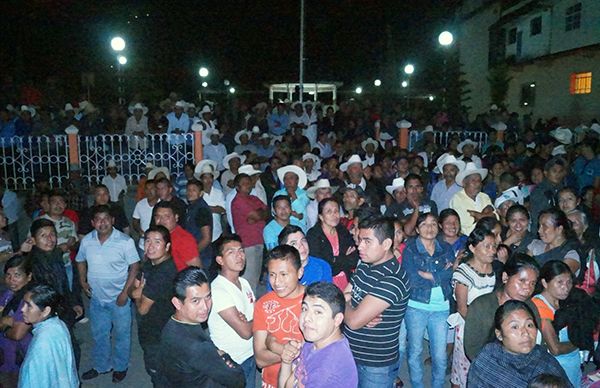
{"x":325,"y":360}
{"x":277,"y":314}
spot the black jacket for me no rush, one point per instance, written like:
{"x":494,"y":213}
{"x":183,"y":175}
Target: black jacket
{"x":320,"y":247}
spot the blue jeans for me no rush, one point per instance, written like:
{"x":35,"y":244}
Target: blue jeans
{"x":104,"y":318}
{"x":249,"y":368}
{"x":376,"y":376}
{"x":417,"y":321}
{"x":401,"y":346}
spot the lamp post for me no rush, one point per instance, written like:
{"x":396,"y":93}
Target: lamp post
{"x":445,"y":40}
{"x":118,"y":45}
{"x":203,"y":72}
{"x":409,"y":69}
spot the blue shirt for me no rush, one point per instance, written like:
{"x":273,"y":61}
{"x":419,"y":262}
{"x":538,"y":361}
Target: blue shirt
{"x":586,"y":171}
{"x":12,"y":206}
{"x":107,"y":263}
{"x":442,"y":194}
{"x":49,"y":361}
{"x":8,"y":130}
{"x":298,"y":205}
{"x":315,"y":270}
{"x":272,"y":230}
{"x":278,"y":123}
{"x":182,"y":123}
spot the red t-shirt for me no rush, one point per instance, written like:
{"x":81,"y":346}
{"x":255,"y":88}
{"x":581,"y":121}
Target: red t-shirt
{"x":280,"y":318}
{"x":241,"y":206}
{"x":183,"y":247}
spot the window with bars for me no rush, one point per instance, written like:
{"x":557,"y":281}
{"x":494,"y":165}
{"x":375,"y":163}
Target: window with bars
{"x":581,"y":83}
{"x":573,"y":17}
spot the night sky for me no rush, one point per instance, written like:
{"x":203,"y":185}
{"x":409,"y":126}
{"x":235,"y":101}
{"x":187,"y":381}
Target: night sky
{"x":247,"y":42}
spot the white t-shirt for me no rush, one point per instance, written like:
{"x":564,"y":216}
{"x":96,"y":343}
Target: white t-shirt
{"x":115,"y":186}
{"x":215,"y":198}
{"x":143,"y":212}
{"x":225,"y":294}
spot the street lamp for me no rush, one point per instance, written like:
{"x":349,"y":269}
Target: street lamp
{"x":446,"y":38}
{"x":204,"y":84}
{"x":232,"y":90}
{"x":203,"y":72}
{"x":358,"y":90}
{"x":409,"y":69}
{"x":404,"y":84}
{"x":377,"y":82}
{"x":117,"y":43}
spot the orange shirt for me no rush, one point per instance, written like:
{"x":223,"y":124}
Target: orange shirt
{"x":280,"y":318}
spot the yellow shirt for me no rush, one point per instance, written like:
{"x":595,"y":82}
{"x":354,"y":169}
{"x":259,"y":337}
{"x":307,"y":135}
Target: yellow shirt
{"x":461,"y":202}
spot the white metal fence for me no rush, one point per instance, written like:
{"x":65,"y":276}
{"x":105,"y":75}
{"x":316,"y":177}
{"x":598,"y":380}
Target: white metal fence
{"x":23,"y":159}
{"x":443,"y":138}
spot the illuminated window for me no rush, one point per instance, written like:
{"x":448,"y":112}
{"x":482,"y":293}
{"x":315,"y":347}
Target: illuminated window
{"x":581,"y":83}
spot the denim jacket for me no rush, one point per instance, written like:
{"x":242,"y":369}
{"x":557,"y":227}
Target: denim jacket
{"x":415,"y":258}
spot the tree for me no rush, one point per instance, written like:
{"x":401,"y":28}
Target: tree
{"x":499,"y":82}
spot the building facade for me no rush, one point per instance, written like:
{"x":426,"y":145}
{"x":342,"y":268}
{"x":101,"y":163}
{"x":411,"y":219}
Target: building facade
{"x":551,"y":50}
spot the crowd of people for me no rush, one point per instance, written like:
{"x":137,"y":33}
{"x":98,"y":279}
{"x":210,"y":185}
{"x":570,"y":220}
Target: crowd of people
{"x":310,"y":249}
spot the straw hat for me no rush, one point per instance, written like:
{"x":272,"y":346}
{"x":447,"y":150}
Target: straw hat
{"x":464,"y":143}
{"x":302,"y":179}
{"x":470,"y":169}
{"x":353,"y":159}
{"x":397,"y":183}
{"x":206,"y":166}
{"x":320,"y":184}
{"x":233,"y":155}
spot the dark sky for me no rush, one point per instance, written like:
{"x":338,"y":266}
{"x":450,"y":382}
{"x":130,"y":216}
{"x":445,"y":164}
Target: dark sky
{"x":247,"y":42}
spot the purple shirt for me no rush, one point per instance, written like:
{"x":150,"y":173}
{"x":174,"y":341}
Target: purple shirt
{"x":332,"y":366}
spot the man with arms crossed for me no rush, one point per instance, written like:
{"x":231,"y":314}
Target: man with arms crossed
{"x":379,"y":288}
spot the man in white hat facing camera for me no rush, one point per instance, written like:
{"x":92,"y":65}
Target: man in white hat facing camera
{"x":444,"y":190}
{"x":470,"y":203}
{"x":137,"y":126}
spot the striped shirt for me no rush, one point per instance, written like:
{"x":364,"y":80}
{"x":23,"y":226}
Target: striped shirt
{"x":477,"y":284}
{"x":378,"y":346}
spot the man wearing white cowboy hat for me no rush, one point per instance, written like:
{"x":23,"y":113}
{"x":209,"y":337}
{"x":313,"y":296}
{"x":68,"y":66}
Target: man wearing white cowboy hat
{"x":232,"y":163}
{"x":24,"y":122}
{"x":265,"y":149}
{"x":279,"y":119}
{"x":206,"y":119}
{"x":311,"y":166}
{"x":370,"y":146}
{"x":324,"y":145}
{"x":242,"y":138}
{"x":353,"y":168}
{"x":215,"y":150}
{"x":179,"y":121}
{"x":471,"y":203}
{"x":444,"y":189}
{"x":298,"y":119}
{"x":310,"y":117}
{"x":207,"y":173}
{"x":398,"y":192}
{"x":322,"y":189}
{"x":117,"y":187}
{"x":467,"y":149}
{"x":294,"y":181}
{"x":137,"y":127}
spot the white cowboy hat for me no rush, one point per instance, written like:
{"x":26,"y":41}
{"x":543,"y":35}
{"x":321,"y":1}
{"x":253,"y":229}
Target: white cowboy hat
{"x":370,"y":140}
{"x":295,"y":104}
{"x":302,"y":180}
{"x":205,"y":109}
{"x":191,"y":105}
{"x":233,"y":155}
{"x":559,"y":150}
{"x":111,"y":164}
{"x":275,"y":139}
{"x":248,"y":169}
{"x":320,"y":184}
{"x":493,"y":107}
{"x":239,"y":134}
{"x":428,"y":129}
{"x":563,"y":135}
{"x":595,"y":127}
{"x":397,"y":183}
{"x":255,"y":129}
{"x":265,"y":136}
{"x":213,"y":131}
{"x":465,"y":142}
{"x":27,"y":108}
{"x":149,"y":166}
{"x":403,"y":124}
{"x":206,"y":166}
{"x":449,"y":159}
{"x":470,"y":169}
{"x":181,"y":104}
{"x":513,"y":194}
{"x":68,"y":107}
{"x":353,"y":159}
{"x":499,"y":126}
{"x":308,"y":155}
{"x":156,"y":170}
{"x":384,"y":137}
{"x":138,"y":106}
